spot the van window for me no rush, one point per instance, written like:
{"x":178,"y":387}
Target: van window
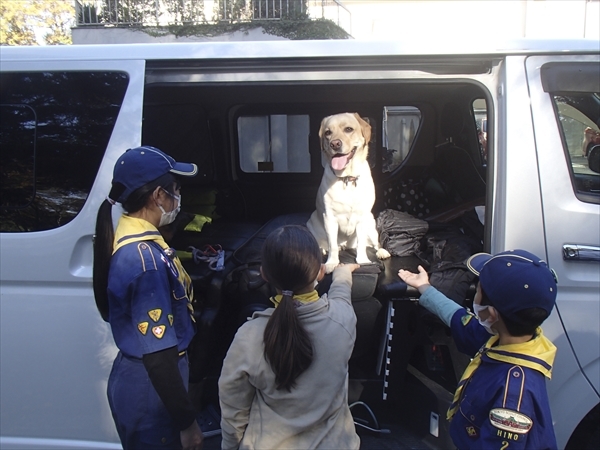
{"x":400,"y":125}
{"x":578,"y":116}
{"x":54,"y":129}
{"x":480,"y":114}
{"x":275,"y":143}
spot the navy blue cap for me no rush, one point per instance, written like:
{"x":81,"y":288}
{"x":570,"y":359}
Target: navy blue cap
{"x":141,"y":165}
{"x":515,"y":280}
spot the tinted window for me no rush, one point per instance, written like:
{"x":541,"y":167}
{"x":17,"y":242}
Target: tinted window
{"x":480,"y":114}
{"x":54,"y":129}
{"x":275,"y":143}
{"x":579,"y":116}
{"x":400,"y":125}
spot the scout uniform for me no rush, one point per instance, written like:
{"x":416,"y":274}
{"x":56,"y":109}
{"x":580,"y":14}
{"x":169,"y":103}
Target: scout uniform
{"x":501,"y":400}
{"x":150,"y":310}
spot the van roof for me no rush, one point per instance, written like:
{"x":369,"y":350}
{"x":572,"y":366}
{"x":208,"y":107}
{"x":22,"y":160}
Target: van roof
{"x":295,"y":49}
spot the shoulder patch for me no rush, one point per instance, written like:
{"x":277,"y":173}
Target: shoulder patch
{"x":155,"y":314}
{"x":143,"y":327}
{"x":509,"y":420}
{"x":159,"y":331}
{"x":466,"y":319}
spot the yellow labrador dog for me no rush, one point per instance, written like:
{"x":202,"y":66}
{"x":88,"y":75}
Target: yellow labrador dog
{"x":343,"y":218}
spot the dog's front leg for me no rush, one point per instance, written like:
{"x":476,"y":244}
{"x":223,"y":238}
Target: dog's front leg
{"x":331,"y":229}
{"x":362,"y":241}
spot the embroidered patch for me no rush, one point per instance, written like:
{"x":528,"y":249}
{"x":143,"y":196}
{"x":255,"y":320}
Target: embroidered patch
{"x":471,"y":431}
{"x":155,"y":314}
{"x":466,"y":319}
{"x":143,"y":327}
{"x":509,"y":420}
{"x":159,"y":331}
{"x":170,"y":316}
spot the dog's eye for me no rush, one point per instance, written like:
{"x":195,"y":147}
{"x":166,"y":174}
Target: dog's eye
{"x":348,"y":129}
{"x":328,"y":133}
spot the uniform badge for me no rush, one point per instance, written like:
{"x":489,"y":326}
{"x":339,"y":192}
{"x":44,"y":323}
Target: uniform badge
{"x":170,"y":317}
{"x":143,"y":327}
{"x":155,"y":314}
{"x":159,"y":331}
{"x":466,"y":319}
{"x":509,"y":420}
{"x":471,"y":431}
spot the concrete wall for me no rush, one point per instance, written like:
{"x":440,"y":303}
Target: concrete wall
{"x":113,"y":35}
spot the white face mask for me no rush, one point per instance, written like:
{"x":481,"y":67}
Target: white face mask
{"x":487,"y":323}
{"x":168,"y":217}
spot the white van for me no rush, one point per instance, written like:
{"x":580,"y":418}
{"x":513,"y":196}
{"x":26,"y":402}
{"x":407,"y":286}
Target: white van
{"x":497,"y":143}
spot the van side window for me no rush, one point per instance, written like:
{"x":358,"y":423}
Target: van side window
{"x":276,"y":143}
{"x":480,"y":114}
{"x":54,"y":129}
{"x":400,"y":125}
{"x":579,"y":116}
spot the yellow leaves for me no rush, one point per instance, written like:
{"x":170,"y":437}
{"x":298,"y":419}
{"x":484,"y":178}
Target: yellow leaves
{"x":25,"y":22}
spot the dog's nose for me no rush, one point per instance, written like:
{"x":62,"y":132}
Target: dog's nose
{"x":336,"y":144}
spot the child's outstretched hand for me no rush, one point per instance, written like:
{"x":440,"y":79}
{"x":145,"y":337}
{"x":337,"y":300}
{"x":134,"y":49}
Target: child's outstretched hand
{"x":350,"y":266}
{"x":416,"y":280}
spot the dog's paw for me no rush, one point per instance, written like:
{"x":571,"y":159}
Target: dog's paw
{"x":330,"y":265}
{"x":382,"y":253}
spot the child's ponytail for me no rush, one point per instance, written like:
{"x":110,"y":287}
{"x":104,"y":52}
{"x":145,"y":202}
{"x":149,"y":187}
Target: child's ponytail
{"x":288,"y":347}
{"x":291,"y":259}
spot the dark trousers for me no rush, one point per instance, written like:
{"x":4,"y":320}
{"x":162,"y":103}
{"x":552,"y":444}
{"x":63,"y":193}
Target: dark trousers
{"x":142,"y":421}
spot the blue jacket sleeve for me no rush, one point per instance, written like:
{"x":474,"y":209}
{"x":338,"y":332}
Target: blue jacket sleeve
{"x":437,"y":303}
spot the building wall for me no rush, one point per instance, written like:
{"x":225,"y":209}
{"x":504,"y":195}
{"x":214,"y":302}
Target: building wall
{"x":474,"y":19}
{"x":113,"y":35}
{"x":413,"y":20}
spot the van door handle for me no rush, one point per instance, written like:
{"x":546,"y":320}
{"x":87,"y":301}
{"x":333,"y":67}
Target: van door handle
{"x":573,"y":252}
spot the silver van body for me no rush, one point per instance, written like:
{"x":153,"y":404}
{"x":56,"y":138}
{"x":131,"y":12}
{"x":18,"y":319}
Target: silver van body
{"x":55,"y":350}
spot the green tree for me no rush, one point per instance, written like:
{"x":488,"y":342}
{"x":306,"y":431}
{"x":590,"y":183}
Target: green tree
{"x":19,"y":20}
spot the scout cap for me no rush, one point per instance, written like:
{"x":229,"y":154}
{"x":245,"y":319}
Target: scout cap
{"x":515,"y":280}
{"x":141,"y":165}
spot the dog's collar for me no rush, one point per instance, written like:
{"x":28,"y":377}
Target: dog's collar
{"x":347,"y":180}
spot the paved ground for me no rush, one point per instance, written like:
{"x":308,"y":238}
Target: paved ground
{"x":398,"y":439}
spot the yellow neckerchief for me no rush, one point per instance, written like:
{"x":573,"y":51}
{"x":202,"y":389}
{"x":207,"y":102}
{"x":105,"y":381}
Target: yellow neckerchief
{"x":309,"y":297}
{"x":131,"y":229}
{"x":521,"y":354}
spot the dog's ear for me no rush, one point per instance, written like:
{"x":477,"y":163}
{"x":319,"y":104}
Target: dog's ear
{"x":322,"y":127}
{"x":321,"y":131}
{"x":365,"y":127}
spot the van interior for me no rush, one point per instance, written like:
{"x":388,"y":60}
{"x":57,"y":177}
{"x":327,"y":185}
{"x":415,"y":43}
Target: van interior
{"x":258,"y":152}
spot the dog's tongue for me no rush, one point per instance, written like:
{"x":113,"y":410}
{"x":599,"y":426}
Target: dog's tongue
{"x":338,"y":162}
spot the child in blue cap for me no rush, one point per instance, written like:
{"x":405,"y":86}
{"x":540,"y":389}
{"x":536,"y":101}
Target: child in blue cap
{"x":501,"y":400}
{"x":143,"y":292}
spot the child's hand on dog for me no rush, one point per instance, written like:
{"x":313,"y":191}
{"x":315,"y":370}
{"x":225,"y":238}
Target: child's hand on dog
{"x":416,"y":280}
{"x":351,"y":266}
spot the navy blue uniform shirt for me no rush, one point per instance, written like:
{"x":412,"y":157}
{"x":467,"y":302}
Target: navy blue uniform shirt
{"x":149,"y":293}
{"x":504,"y":405}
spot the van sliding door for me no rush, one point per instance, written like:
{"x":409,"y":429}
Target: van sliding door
{"x":63,"y":125}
